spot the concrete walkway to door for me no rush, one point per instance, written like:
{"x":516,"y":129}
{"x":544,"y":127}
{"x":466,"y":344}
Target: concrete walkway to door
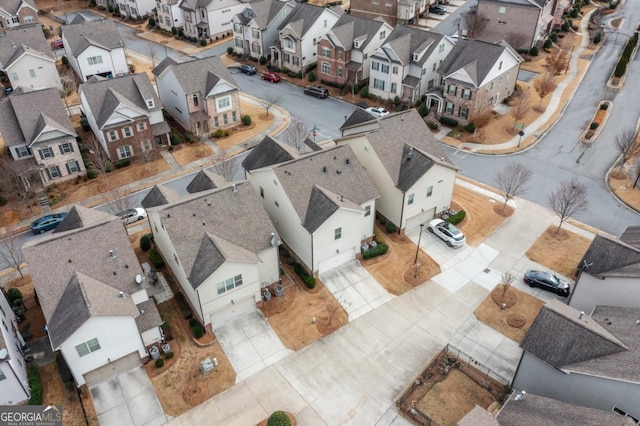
{"x":355,"y":289}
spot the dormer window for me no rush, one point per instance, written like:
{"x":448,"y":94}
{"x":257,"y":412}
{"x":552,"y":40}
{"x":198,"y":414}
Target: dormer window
{"x":150,"y":103}
{"x":356,"y":43}
{"x":416,"y":56}
{"x":383,"y":34}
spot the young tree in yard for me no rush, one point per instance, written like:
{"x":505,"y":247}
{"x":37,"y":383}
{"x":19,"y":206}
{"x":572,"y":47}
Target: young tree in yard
{"x":11,"y":253}
{"x":98,"y":156}
{"x":544,"y":85}
{"x":568,"y":199}
{"x":149,"y":156}
{"x":475,"y":23}
{"x":521,"y":106}
{"x":557,"y":60}
{"x":153,"y":53}
{"x":512,"y":180}
{"x":270,"y":99}
{"x":17,"y":178}
{"x":507,"y":279}
{"x":226,"y":166}
{"x":332,"y":308}
{"x":627,"y":144}
{"x":297,"y":132}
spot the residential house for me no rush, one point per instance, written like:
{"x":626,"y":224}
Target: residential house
{"x":413,"y":174}
{"x":209,"y":19}
{"x":394,"y":12}
{"x":522,"y":23}
{"x":220,"y":245}
{"x":321,"y":203}
{"x":200,"y":94}
{"x":608,"y":273}
{"x":38,"y":134}
{"x":168,"y":14}
{"x":26,"y":58}
{"x":476,"y":76}
{"x":256,"y":27}
{"x":524,"y":408}
{"x":406,"y":64}
{"x":592,"y":361}
{"x":14,"y":13}
{"x":125,"y":114}
{"x":343,"y":53}
{"x":14,"y":384}
{"x":93,"y":294}
{"x":135,"y":9}
{"x":299,"y":34}
{"x":95,"y":48}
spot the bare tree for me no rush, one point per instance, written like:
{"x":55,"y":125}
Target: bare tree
{"x":17,"y":177}
{"x":512,"y":180}
{"x":226,"y":166}
{"x":332,"y":308}
{"x":270,"y":99}
{"x":627,"y":144}
{"x":507,"y":279}
{"x":557,"y":60}
{"x":118,"y":199}
{"x":475,"y":23}
{"x":153,"y":53}
{"x":568,"y":199}
{"x":521,"y":107}
{"x":98,"y":157}
{"x":11,"y":253}
{"x":517,"y":40}
{"x":544,"y":85}
{"x":297,"y":133}
{"x":149,"y":155}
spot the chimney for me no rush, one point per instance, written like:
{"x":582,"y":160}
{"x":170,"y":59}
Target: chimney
{"x":581,"y":315}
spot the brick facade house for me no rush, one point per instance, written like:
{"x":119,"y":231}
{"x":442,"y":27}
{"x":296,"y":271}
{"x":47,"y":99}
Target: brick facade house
{"x":14,"y":13}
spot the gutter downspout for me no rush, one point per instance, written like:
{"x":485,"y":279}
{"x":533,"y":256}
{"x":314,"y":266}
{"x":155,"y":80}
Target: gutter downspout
{"x":404,"y":194}
{"x":312,"y":265}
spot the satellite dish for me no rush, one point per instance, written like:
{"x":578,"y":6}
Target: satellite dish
{"x":138,"y":279}
{"x":3,"y":353}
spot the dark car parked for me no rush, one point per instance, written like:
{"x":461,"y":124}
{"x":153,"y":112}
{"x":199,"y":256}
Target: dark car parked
{"x":45,"y":223}
{"x":547,"y":281}
{"x":317,"y":91}
{"x":437,"y":9}
{"x":248,"y":69}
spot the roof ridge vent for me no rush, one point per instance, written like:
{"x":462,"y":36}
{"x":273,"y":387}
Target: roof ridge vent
{"x":235,"y":188}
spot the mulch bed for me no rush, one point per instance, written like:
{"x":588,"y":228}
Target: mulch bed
{"x":506,"y":212}
{"x":500,"y":297}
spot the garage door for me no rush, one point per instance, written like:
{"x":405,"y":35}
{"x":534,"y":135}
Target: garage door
{"x":415,"y":221}
{"x":114,"y":368}
{"x":335,"y":261}
{"x":230,"y":312}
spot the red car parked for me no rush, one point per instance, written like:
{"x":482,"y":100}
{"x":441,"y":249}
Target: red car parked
{"x":271,"y":76}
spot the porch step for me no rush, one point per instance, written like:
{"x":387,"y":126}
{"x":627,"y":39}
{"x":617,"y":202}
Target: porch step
{"x":431,"y":120}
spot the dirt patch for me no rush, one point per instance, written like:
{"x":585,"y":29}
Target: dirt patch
{"x":502,"y":210}
{"x":291,"y":316}
{"x":9,"y":217}
{"x":513,"y":321}
{"x":622,"y":185}
{"x":189,"y":152}
{"x":481,"y":219}
{"x":559,"y":251}
{"x":396,"y":270}
{"x":504,"y":297}
{"x":259,"y":123}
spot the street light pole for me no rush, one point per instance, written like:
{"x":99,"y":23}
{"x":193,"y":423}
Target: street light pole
{"x":415,"y":261}
{"x":521,"y":134}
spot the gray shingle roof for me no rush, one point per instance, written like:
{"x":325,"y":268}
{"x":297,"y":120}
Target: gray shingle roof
{"x":149,"y":316}
{"x":265,"y":11}
{"x":267,"y":153}
{"x":535,"y":3}
{"x":607,"y":257}
{"x":631,"y":236}
{"x":219,"y":215}
{"x":199,"y":75}
{"x":349,"y":28}
{"x":358,"y":116}
{"x":205,"y":180}
{"x":82,"y":217}
{"x":302,"y":17}
{"x":474,"y":56}
{"x":403,"y":42}
{"x":100,"y":33}
{"x":106,"y":96}
{"x":25,"y":38}
{"x":605,"y":344}
{"x":163,"y":65}
{"x":159,"y":195}
{"x":12,"y":6}
{"x":55,"y":260}
{"x":478,"y":416}
{"x":20,"y":122}
{"x":394,"y":151}
{"x":538,"y":410}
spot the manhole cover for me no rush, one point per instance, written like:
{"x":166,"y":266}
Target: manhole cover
{"x":486,"y":270}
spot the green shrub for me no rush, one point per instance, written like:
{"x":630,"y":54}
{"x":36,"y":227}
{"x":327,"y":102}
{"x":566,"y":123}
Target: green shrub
{"x":299,"y":269}
{"x":14,"y":294}
{"x":229,"y":50}
{"x":604,"y":106}
{"x":470,"y":127}
{"x":378,"y":250}
{"x":312,"y":77}
{"x":92,"y":172}
{"x":574,"y":13}
{"x":152,"y":22}
{"x":423,"y":110}
{"x":92,"y":3}
{"x":310,"y":282}
{"x":279,"y":418}
{"x":3,"y":201}
{"x":183,"y":305}
{"x":197,"y":331}
{"x":219,"y":133}
{"x":383,"y":221}
{"x":534,"y":51}
{"x":159,"y":363}
{"x":168,"y":355}
{"x":123,"y":163}
{"x":181,"y":34}
{"x":391,"y":228}
{"x":621,"y":68}
{"x":246,"y":120}
{"x":145,"y":242}
{"x":174,"y":30}
{"x":547,"y":44}
{"x":364,"y":93}
{"x":175,"y":137}
{"x":598,"y":38}
{"x":433,"y":126}
{"x":36,"y":386}
{"x":396,"y":100}
{"x":457,"y":218}
{"x":203,"y":42}
{"x":449,"y":122}
{"x":263,"y":60}
{"x":553,"y":37}
{"x":155,"y":258}
{"x":593,"y":125}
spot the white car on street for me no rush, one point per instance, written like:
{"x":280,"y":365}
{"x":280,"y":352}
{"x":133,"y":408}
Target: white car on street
{"x":447,"y":232}
{"x":132,"y":215}
{"x":377,"y":111}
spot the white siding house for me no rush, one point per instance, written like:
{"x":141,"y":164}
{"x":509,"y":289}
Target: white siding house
{"x":137,"y":8}
{"x":255,"y":29}
{"x":209,"y":19}
{"x":168,"y":14}
{"x":14,"y":385}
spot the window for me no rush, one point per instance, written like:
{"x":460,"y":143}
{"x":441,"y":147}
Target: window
{"x":434,"y":67}
{"x":29,"y":20}
{"x":22,"y":151}
{"x":216,"y":123}
{"x":46,"y":153}
{"x":430,"y":84}
{"x":234,"y":116}
{"x":285,"y":58}
{"x":113,"y":135}
{"x":141,"y":126}
{"x":464,"y":112}
{"x":340,"y":54}
{"x":441,"y":48}
{"x":394,"y":70}
{"x":73,"y":167}
{"x":255,"y":33}
{"x":315,"y":41}
{"x":94,"y":60}
{"x":196,"y":101}
{"x":255,"y":47}
{"x":225,"y":119}
{"x":324,"y":23}
{"x":394,"y":87}
{"x":262,"y":192}
{"x":14,"y":76}
{"x":466,"y":94}
{"x":66,"y":148}
{"x":423,"y":71}
{"x":452,"y":89}
{"x":126,"y":132}
{"x":500,"y":65}
{"x":53,"y":172}
{"x":32,"y":73}
{"x":288,"y":43}
{"x":383,"y":34}
{"x":325,"y":52}
{"x":276,"y":203}
{"x":385,"y":69}
{"x":375,"y":66}
{"x":337,"y":233}
{"x":367,"y":211}
{"x":339,"y":72}
{"x":15,"y":20}
{"x":296,"y":60}
{"x":449,"y":108}
{"x":325,"y":68}
{"x":124,"y":151}
{"x":378,"y":84}
{"x":502,"y":10}
{"x":229,"y":284}
{"x":239,"y":43}
{"x":88,"y":347}
{"x":223,"y":103}
{"x":410,"y":199}
{"x":429,"y":191}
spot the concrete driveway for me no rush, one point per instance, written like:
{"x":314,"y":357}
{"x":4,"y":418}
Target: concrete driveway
{"x":128,"y":399}
{"x":355,"y":289}
{"x":250,"y":344}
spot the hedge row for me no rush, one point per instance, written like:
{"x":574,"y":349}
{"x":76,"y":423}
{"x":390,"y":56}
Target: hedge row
{"x":378,"y":250}
{"x":623,"y":62}
{"x":196,"y":328}
{"x":457,"y":218}
{"x":309,"y":280}
{"x":36,"y":386}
